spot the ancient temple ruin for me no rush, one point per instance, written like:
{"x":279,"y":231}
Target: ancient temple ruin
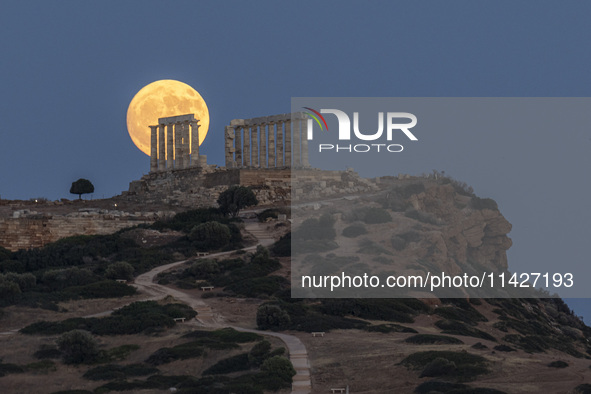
{"x":174,"y":144}
{"x":276,"y":141}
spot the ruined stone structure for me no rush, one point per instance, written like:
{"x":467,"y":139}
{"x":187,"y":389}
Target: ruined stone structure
{"x":268,"y":142}
{"x":174,"y":144}
{"x":29,"y":229}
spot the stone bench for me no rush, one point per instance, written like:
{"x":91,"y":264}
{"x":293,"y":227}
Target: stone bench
{"x":202,"y":254}
{"x":338,"y":390}
{"x":318,"y":334}
{"x":206,"y":288}
{"x":181,"y":319}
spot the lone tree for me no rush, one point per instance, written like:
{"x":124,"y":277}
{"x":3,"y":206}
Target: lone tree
{"x":82,"y":186}
{"x":235,"y":198}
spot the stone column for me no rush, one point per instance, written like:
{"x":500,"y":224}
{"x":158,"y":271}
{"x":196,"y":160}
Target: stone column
{"x":296,"y":141}
{"x":271,"y":144}
{"x":279,"y":144}
{"x":263,"y":150}
{"x":288,"y":143}
{"x":238,"y":146}
{"x":153,"y":148}
{"x":246,"y":149}
{"x":195,"y":143}
{"x":178,"y":153}
{"x":305,"y":125}
{"x":229,"y":149}
{"x":254,"y":133}
{"x":187,"y":144}
{"x":161,"y":148}
{"x":170,"y":146}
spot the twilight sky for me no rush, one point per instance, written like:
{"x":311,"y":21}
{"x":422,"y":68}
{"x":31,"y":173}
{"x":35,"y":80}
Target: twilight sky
{"x":69,"y":69}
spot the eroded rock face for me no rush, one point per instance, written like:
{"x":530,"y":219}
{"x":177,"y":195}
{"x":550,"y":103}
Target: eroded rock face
{"x":463,"y":235}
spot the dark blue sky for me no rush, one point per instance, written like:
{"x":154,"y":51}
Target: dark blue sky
{"x":69,"y":69}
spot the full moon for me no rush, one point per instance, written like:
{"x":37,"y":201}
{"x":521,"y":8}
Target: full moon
{"x":161,"y":99}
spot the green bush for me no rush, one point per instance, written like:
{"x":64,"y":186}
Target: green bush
{"x":120,"y":270}
{"x":388,"y":328}
{"x":584,"y":388}
{"x":131,"y":319}
{"x":558,"y":364}
{"x":439,"y":367}
{"x":6,"y":369}
{"x":279,"y":368}
{"x":439,"y":387}
{"x":102,"y":289}
{"x":259,"y":353}
{"x":236,"y":363}
{"x":453,"y":327}
{"x":46,"y":351}
{"x":229,"y":335}
{"x":77,"y":347}
{"x":282,"y":248}
{"x":504,"y":348}
{"x":43,"y":366}
{"x":317,"y":229}
{"x":272,"y":317}
{"x":236,"y":198}
{"x":422,"y":339}
{"x":112,"y":371}
{"x":179,"y":352}
{"x":468,"y":366}
{"x":210,"y":236}
{"x":187,"y":220}
{"x":354,"y":230}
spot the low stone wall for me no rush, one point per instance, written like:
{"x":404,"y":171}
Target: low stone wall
{"x":30,"y":230}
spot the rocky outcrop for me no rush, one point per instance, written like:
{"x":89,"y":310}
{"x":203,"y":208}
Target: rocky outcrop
{"x":463,"y":235}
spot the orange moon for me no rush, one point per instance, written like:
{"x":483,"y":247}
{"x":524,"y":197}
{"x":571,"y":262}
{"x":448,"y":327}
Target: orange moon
{"x":161,"y":99}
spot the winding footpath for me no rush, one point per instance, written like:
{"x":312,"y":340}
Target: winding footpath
{"x":206,"y":317}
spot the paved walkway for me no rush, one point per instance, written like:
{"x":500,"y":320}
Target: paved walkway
{"x":206,"y":317}
{"x":298,"y":354}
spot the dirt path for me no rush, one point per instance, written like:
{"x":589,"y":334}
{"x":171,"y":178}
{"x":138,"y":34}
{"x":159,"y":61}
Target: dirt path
{"x":206,"y":317}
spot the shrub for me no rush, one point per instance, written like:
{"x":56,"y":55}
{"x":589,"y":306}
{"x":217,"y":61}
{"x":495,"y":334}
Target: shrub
{"x":398,"y":243}
{"x":272,"y":317}
{"x":236,"y":363}
{"x":484,"y":203}
{"x":376,"y":215}
{"x":388,"y":328}
{"x":120,"y":270}
{"x":77,"y":347}
{"x":558,"y":364}
{"x":6,"y":369}
{"x":259,"y":353}
{"x":438,"y":387}
{"x":235,"y":198}
{"x":479,"y":346}
{"x":282,"y":248}
{"x":44,"y":366}
{"x":354,"y":230}
{"x":439,"y":367}
{"x":421,"y":339}
{"x":204,"y":269}
{"x":317,"y":229}
{"x":61,"y":278}
{"x":112,"y":371}
{"x":210,"y":236}
{"x":468,"y":366}
{"x":280,"y":368}
{"x":584,"y":388}
{"x":47,"y":352}
{"x":268,"y":213}
{"x":504,"y":348}
{"x":179,"y":352}
{"x":453,"y":327}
